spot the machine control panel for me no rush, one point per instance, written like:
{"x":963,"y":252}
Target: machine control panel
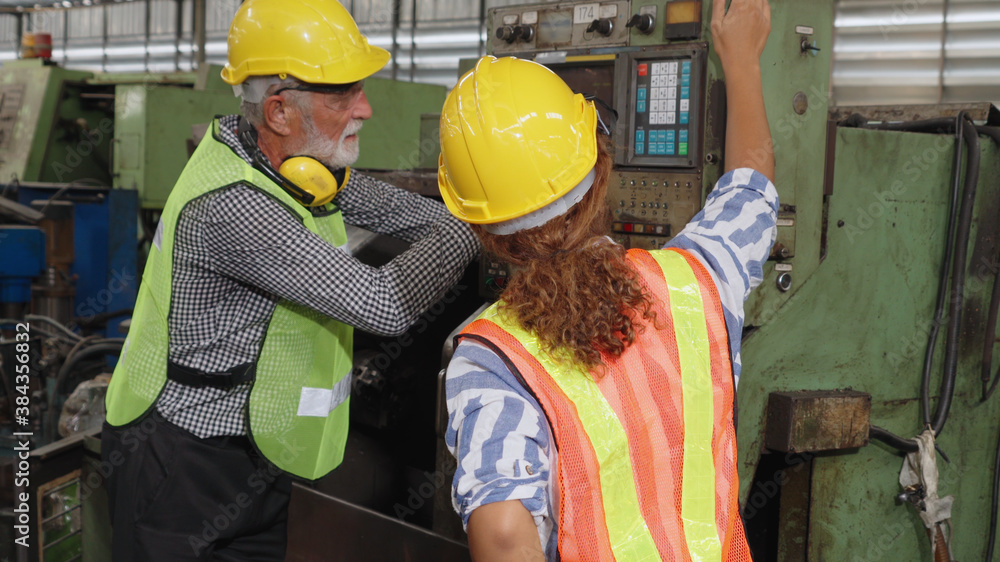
{"x":493,"y":275}
{"x":651,"y":93}
{"x":663,"y":107}
{"x":566,"y":25}
{"x":649,"y":207}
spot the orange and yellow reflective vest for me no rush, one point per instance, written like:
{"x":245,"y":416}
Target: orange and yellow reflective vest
{"x":647,"y":452}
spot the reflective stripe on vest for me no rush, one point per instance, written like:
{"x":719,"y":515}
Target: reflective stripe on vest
{"x":297,"y":411}
{"x":647,"y":453}
{"x":688,"y":316}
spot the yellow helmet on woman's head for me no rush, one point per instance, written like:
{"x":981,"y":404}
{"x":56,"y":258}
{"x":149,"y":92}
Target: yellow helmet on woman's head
{"x":518,"y":147}
{"x":315,"y":41}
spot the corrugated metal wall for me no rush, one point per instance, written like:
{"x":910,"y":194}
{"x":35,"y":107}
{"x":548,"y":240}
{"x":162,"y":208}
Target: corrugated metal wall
{"x":885,"y":51}
{"x":916,"y":51}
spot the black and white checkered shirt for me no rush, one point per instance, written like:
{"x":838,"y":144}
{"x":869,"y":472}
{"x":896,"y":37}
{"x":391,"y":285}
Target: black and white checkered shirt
{"x":238,"y":252}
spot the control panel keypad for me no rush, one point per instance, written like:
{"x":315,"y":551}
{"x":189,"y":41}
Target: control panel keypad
{"x":662,"y":108}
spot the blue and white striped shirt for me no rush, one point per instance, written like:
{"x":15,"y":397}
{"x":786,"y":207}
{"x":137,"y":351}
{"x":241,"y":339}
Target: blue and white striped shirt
{"x":499,"y":433}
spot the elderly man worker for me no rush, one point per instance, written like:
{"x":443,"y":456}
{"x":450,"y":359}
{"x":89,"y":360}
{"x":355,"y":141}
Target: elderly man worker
{"x":236,"y":372}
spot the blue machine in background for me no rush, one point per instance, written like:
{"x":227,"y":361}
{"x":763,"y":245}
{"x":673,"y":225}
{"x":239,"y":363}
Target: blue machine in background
{"x":103,"y":269}
{"x":22,"y":259}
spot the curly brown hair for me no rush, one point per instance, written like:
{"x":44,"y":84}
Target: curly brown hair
{"x":572,"y":288}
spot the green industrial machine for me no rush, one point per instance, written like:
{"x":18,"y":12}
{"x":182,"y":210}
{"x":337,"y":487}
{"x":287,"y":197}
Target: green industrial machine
{"x":129,"y":131}
{"x":861,"y":321}
{"x":53,"y":126}
{"x":122,"y":130}
{"x":835,"y":338}
{"x":153,"y":122}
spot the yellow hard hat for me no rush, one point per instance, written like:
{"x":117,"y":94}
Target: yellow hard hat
{"x":315,"y":41}
{"x":515,"y":140}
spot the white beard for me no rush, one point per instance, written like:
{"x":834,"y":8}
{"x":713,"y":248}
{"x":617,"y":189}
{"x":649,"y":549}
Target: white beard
{"x":335,"y":154}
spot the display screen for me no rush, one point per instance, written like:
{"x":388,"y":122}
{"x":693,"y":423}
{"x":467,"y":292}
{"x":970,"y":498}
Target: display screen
{"x":554,"y":27}
{"x":596,"y":81}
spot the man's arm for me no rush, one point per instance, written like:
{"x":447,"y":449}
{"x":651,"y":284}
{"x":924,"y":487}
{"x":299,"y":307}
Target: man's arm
{"x":739,"y":36}
{"x":386,"y":209}
{"x":256,"y":241}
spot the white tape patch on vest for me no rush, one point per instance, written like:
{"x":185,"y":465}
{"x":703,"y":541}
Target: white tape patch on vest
{"x":319,"y":402}
{"x":158,"y":237}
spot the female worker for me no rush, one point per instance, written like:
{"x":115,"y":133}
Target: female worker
{"x":591,"y":409}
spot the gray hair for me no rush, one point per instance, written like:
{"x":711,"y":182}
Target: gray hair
{"x":255,"y":89}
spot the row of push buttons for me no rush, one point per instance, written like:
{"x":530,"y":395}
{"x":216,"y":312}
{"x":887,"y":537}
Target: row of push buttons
{"x":639,"y":228}
{"x":665,"y":93}
{"x":671,"y":81}
{"x":659,"y":68}
{"x":661,"y":142}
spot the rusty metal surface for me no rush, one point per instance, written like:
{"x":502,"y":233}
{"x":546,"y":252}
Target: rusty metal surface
{"x":325,"y":528}
{"x":821,"y":420}
{"x":981,"y":111}
{"x":793,"y":532}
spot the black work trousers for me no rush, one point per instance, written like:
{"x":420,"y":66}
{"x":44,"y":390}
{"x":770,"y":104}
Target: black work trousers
{"x":175,"y":497}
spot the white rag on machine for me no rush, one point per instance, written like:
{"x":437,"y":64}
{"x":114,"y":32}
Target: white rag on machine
{"x":920,"y":469}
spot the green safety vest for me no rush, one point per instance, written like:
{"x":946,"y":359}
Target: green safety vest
{"x":297,"y":412}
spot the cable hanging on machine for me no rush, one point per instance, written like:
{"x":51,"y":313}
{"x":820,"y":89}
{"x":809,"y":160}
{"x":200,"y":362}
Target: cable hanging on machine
{"x":955,"y":260}
{"x":956,"y":251}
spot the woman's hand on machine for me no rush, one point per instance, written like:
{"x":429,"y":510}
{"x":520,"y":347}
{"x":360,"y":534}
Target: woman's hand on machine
{"x":739,"y":35}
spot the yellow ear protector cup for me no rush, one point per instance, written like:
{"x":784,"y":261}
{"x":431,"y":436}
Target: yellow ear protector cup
{"x":306,"y":179}
{"x":314,"y":178}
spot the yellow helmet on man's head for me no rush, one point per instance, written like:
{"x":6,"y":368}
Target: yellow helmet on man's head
{"x":315,"y":41}
{"x":518,"y":147}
